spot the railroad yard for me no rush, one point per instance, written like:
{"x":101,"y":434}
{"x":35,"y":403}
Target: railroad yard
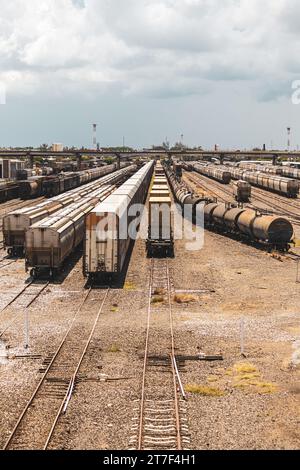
{"x":184,"y":350}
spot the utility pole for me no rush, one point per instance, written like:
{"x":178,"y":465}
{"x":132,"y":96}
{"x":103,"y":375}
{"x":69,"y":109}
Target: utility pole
{"x":94,"y":136}
{"x":289,"y":139}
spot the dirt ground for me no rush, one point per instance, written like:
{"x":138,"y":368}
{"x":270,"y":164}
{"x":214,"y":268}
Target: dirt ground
{"x":249,"y":401}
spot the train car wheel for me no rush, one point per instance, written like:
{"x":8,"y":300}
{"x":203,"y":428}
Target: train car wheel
{"x":33,"y":273}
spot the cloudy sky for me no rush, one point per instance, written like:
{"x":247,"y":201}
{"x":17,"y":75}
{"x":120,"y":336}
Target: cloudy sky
{"x":216,"y":71}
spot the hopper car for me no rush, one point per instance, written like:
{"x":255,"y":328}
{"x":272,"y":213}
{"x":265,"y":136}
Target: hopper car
{"x":291,"y":172}
{"x":211,"y":171}
{"x":50,"y":241}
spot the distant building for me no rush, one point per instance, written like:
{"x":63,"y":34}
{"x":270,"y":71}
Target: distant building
{"x":57,"y":147}
{"x":9,"y":168}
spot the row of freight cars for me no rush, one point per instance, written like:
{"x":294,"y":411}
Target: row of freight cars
{"x":285,"y":171}
{"x":18,"y":222}
{"x":284,"y":186}
{"x":48,"y":240}
{"x":246,"y":224}
{"x":51,"y":185}
{"x":103,"y":216}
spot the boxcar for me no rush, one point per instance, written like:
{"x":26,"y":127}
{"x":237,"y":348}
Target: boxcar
{"x":107,"y":239}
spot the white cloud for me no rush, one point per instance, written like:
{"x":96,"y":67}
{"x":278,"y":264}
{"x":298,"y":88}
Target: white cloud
{"x":158,"y":48}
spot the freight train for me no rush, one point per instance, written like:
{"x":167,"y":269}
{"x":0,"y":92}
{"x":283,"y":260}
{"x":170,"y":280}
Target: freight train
{"x":160,"y":241}
{"x":242,"y":191}
{"x":284,"y":186}
{"x":16,"y":223}
{"x":247,"y":224}
{"x":51,"y":186}
{"x":107,"y":239}
{"x":284,"y":171}
{"x":183,"y":194}
{"x":211,"y":171}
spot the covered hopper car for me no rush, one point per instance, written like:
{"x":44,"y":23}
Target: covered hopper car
{"x":50,"y":241}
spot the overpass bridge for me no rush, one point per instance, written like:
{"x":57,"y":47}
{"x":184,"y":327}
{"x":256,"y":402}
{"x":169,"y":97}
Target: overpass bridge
{"x":77,"y":155}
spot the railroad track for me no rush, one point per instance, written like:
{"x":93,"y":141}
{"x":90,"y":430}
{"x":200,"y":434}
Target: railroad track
{"x":29,"y":293}
{"x":6,"y":262}
{"x":37,"y":422}
{"x":282,"y":211}
{"x":161,"y":422}
{"x":198,"y":181}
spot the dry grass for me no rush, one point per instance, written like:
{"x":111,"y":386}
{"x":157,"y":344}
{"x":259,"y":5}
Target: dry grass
{"x":244,"y":368}
{"x":254,"y":375}
{"x":129,"y":286}
{"x":159,"y":291}
{"x":247,"y":377}
{"x":185,"y":298}
{"x":212,"y":378}
{"x":157,"y":299}
{"x":265,"y":387}
{"x":204,"y":390}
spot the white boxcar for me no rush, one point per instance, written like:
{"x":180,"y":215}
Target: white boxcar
{"x":107,"y":240}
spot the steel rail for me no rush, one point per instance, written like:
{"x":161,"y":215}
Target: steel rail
{"x":42,"y":380}
{"x":36,"y":296}
{"x":69,"y":393}
{"x":142,"y":408}
{"x":174,"y":368}
{"x":16,"y":296}
{"x":173,"y":361}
